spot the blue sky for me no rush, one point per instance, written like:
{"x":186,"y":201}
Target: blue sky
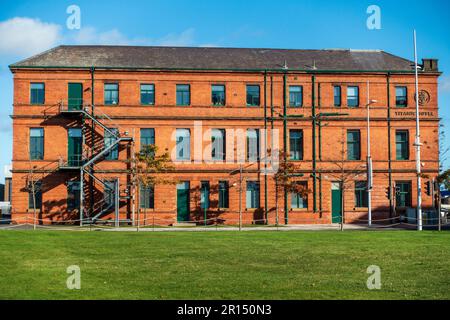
{"x":28,"y":27}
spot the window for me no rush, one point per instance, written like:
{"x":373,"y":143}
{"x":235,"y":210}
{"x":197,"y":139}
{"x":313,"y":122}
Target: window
{"x":218,"y":144}
{"x":183,"y":137}
{"x":296,"y":144}
{"x":110,"y":139}
{"x":252,"y":145}
{"x":252,"y":195}
{"x":401,"y":99}
{"x":37,"y":93}
{"x":146,"y":196}
{"x":147,"y":94}
{"x":147,"y":137}
{"x":403,"y":193}
{"x":183,"y":95}
{"x":218,"y":95}
{"x":401,"y":145}
{"x":299,"y":200}
{"x":361,"y":195}
{"x":337,"y":96}
{"x":352,"y":96}
{"x":36,"y":143}
{"x":109,"y":193}
{"x":73,"y":195}
{"x":295,"y":96}
{"x":353,"y":145}
{"x":253,"y":95}
{"x":204,"y":195}
{"x":37,"y":195}
{"x":111,"y":93}
{"x":223,"y":194}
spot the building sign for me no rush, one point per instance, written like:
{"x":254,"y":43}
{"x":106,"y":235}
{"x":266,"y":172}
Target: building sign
{"x":412,"y":114}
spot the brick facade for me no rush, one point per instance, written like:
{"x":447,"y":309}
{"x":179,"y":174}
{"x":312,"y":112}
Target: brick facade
{"x":129,"y":115}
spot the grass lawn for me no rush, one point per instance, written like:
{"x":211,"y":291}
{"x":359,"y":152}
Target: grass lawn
{"x":225,"y":265}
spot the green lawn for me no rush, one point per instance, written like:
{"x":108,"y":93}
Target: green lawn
{"x":224,"y":265}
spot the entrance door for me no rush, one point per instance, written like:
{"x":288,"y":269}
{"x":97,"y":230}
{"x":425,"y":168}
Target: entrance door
{"x":336,"y":202}
{"x":75,"y":96}
{"x":74,"y":147}
{"x":183,"y":201}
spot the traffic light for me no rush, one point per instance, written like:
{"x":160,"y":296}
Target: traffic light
{"x":428,"y":188}
{"x":388,"y":192}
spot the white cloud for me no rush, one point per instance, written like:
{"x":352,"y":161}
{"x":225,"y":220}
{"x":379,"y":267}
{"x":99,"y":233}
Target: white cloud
{"x":89,"y":35}
{"x":26,"y":36}
{"x":185,"y":38}
{"x":444,"y":84}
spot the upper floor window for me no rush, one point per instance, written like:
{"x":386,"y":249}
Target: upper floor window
{"x":37,"y":93}
{"x":218,"y":94}
{"x":361,"y":195}
{"x":352,"y":96}
{"x":353,"y":145}
{"x":253,"y":95}
{"x":218,"y":144}
{"x":147,"y":94}
{"x":147,"y":137}
{"x":401,"y":145}
{"x":252,"y":145}
{"x":110,"y":139}
{"x":111,"y":93}
{"x":36,"y":143}
{"x":401,"y":99}
{"x":296,"y":144}
{"x":337,"y":92}
{"x":183,"y":137}
{"x":295,"y":96}
{"x":183,"y":94}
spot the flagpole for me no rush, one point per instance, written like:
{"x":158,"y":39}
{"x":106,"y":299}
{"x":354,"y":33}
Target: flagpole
{"x":417,"y":142}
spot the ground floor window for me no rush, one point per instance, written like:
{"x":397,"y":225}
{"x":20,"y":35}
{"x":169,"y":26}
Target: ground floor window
{"x":204,"y":195}
{"x":403,"y":193}
{"x":146,"y":197}
{"x":37,"y":198}
{"x":252,"y":195}
{"x":299,"y":200}
{"x":73,"y":195}
{"x":223,"y":194}
{"x":361,"y":196}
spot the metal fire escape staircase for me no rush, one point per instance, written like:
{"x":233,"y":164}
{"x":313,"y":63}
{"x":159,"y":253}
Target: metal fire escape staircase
{"x":111,"y":198}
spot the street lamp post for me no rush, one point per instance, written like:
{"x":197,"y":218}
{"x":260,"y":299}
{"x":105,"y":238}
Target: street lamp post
{"x":369,"y":160}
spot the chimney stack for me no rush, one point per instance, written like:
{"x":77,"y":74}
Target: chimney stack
{"x":430,"y":65}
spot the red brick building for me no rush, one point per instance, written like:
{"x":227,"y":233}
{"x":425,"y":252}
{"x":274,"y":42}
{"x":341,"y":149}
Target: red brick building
{"x":82,"y":112}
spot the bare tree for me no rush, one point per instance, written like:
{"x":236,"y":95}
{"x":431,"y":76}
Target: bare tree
{"x":148,"y":168}
{"x":345,"y":175}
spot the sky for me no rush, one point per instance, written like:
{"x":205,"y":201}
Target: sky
{"x":30,"y":27}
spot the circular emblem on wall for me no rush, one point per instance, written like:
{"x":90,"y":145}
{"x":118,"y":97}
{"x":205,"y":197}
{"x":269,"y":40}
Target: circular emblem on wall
{"x":424,"y":97}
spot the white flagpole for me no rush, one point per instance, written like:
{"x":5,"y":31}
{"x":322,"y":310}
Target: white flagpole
{"x":417,"y":142}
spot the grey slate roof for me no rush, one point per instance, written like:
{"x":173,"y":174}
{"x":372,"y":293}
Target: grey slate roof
{"x":215,"y":58}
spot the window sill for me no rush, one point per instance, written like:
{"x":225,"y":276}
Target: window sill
{"x":299,"y":209}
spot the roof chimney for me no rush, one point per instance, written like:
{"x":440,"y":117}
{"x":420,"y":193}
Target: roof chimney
{"x":430,"y":65}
